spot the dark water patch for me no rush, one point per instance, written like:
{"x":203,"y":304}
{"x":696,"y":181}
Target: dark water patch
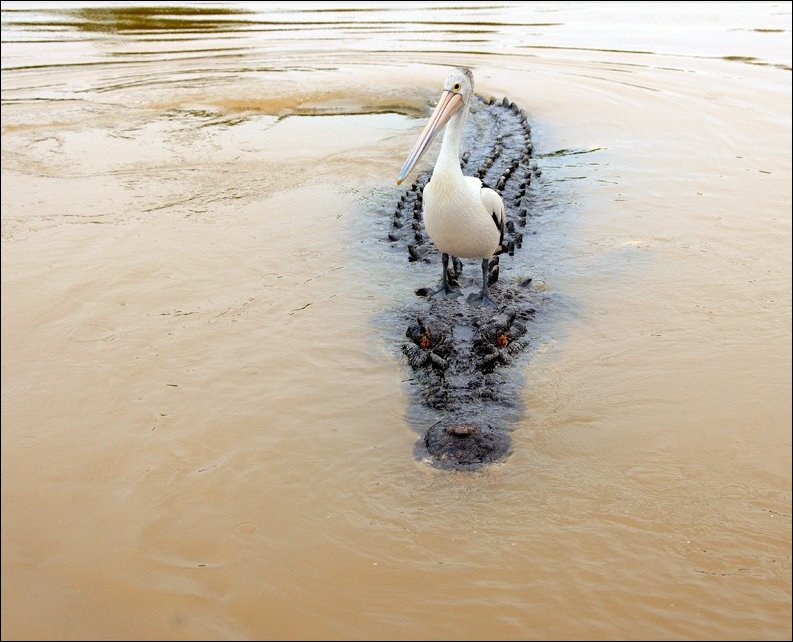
{"x":761,"y":30}
{"x":750,"y":60}
{"x":121,"y":19}
{"x":134,"y":20}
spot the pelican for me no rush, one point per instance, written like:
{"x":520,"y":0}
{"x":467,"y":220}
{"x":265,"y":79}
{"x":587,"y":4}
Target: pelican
{"x":463,"y":217}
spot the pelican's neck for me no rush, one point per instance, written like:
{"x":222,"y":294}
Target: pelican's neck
{"x":448,"y":163}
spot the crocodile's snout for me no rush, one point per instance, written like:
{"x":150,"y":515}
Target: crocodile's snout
{"x":456,"y":443}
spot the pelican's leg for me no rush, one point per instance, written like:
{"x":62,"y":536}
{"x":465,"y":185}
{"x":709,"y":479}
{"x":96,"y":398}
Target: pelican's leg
{"x":446,"y":291}
{"x":483,"y":297}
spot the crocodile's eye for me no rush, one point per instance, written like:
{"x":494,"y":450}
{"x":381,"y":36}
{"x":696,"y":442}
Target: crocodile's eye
{"x":456,"y":87}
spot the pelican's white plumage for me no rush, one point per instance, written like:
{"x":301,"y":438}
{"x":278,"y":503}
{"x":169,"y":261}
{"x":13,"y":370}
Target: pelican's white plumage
{"x":458,"y":215}
{"x":462,"y":217}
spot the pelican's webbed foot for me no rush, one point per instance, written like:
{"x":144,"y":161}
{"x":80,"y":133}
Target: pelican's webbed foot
{"x":482,"y":299}
{"x":447,"y":290}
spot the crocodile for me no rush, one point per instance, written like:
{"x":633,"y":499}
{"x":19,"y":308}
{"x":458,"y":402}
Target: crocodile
{"x":462,"y":356}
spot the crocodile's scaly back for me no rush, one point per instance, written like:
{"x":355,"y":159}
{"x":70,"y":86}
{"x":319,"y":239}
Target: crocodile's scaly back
{"x":459,"y":352}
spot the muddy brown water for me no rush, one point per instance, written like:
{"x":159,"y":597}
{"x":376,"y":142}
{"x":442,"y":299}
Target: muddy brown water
{"x":204,"y":429}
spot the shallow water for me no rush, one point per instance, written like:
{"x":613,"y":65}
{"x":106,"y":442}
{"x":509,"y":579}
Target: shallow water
{"x":204,"y":417}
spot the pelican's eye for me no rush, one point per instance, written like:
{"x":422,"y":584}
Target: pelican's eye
{"x":456,"y":87}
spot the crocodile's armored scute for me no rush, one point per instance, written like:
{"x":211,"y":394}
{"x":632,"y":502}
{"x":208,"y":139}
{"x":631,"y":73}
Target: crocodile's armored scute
{"x":461,"y":354}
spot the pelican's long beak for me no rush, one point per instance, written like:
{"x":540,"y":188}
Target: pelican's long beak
{"x":448,"y":105}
